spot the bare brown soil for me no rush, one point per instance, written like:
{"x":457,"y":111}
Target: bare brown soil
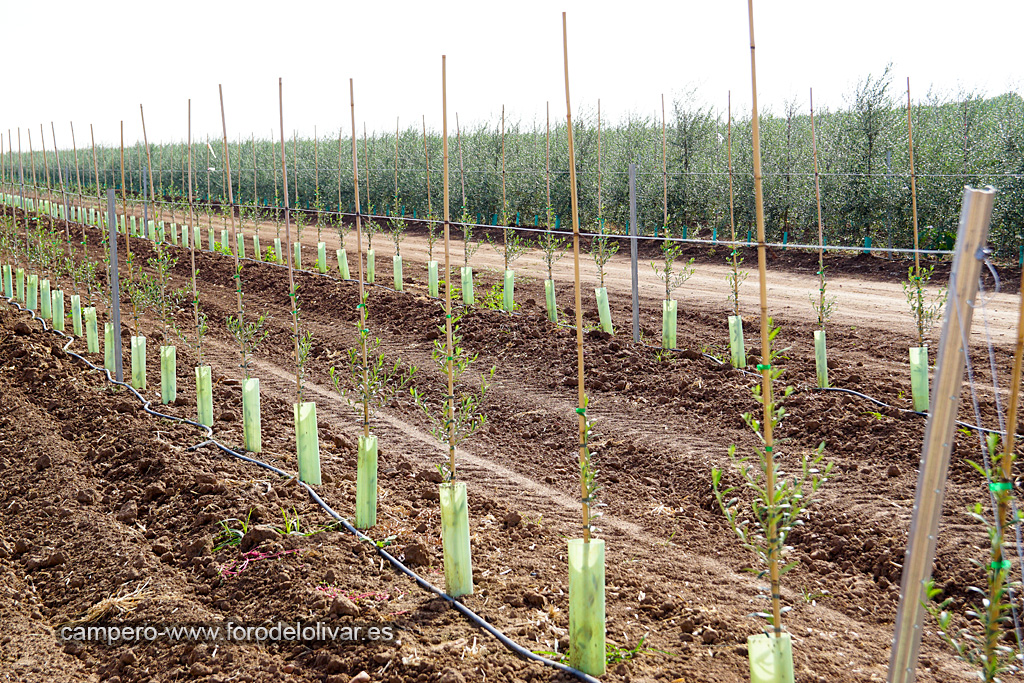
{"x":675,"y":574}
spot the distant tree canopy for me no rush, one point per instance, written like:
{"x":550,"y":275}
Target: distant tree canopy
{"x":863,"y":155}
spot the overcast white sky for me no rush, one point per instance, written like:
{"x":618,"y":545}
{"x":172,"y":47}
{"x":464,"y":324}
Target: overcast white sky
{"x":95,"y":62}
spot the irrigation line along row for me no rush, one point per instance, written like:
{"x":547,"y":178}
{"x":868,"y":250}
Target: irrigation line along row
{"x":392,"y":560}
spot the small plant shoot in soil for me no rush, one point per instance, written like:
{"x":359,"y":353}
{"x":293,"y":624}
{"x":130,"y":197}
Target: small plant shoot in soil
{"x":924,"y":309}
{"x":776,"y":507}
{"x":673,"y":276}
{"x":454,"y":422}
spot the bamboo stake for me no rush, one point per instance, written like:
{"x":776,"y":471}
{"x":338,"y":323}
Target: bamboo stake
{"x":359,"y":247}
{"x":547,"y":166}
{"x":664,"y":166}
{"x":581,"y":396}
{"x":46,"y":166}
{"x":255,"y":196}
{"x":316,"y":181}
{"x":32,"y":158}
{"x":426,"y":155}
{"x":124,"y":204}
{"x":295,"y":166}
{"x":366,"y":161}
{"x":234,"y":233}
{"x":95,"y":162}
{"x":599,"y":224}
{"x":732,"y":211}
{"x":396,"y":166}
{"x":765,"y":365}
{"x":821,"y":229}
{"x":504,"y":232}
{"x":149,"y":159}
{"x":292,"y":294}
{"x":447,"y":268}
{"x":63,"y":201}
{"x":78,"y":173}
{"x":913,"y":185}
{"x":192,"y":241}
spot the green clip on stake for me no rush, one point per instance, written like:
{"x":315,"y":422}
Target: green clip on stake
{"x":432,"y":282}
{"x":307,"y":442}
{"x":251,"y":420}
{"x":458,"y":563}
{"x":919,"y":377}
{"x":343,"y":264}
{"x":204,"y":395}
{"x":586,"y":606}
{"x":366,"y":483}
{"x":108,"y":347}
{"x":669,"y":308}
{"x":57,"y":308}
{"x":92,"y":341}
{"x":508,"y":292}
{"x":771,"y":658}
{"x":467,"y":286}
{"x":549,"y":300}
{"x":139,"y":363}
{"x":737,"y":352}
{"x":168,"y":374}
{"x":321,"y":257}
{"x":396,"y":262}
{"x":371,"y":266}
{"x":76,"y":315}
{"x":820,"y":359}
{"x":604,"y":311}
{"x":1000,"y":486}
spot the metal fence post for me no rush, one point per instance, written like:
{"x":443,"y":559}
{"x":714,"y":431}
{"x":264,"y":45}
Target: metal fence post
{"x":115,"y":288}
{"x":632,"y":249}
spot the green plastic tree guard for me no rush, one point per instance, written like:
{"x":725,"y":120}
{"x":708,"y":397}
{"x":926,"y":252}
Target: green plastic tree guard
{"x":297,"y":255}
{"x":278,"y":251}
{"x":57,"y":309}
{"x":109,"y":362}
{"x":737,"y":352}
{"x":139,"y":362}
{"x":307,"y":442}
{"x":174,"y":234}
{"x":197,"y":237}
{"x":321,"y":257}
{"x":154,"y":233}
{"x":256,"y":247}
{"x":45,"y":301}
{"x":8,"y":283}
{"x":820,"y":359}
{"x":371,"y":266}
{"x":396,"y":262}
{"x":458,"y":564}
{"x":508,"y":292}
{"x":432,"y":281}
{"x":20,"y":282}
{"x":366,"y":483}
{"x":604,"y":311}
{"x":76,"y":315}
{"x":31,"y":296}
{"x":669,"y":308}
{"x":224,"y":239}
{"x":204,"y":395}
{"x":168,"y":374}
{"x":467,"y":286}
{"x":211,"y":239}
{"x":135,"y":226}
{"x":251,"y":420}
{"x":919,"y":377}
{"x":92,"y":337}
{"x":771,"y":658}
{"x":240,"y":242}
{"x":342,"y":264}
{"x":549,"y":300}
{"x":586,"y":606}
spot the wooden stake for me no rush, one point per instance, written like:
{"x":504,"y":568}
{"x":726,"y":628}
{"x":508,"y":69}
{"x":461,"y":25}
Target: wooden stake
{"x":599,"y":225}
{"x":547,"y":166}
{"x":462,"y":169}
{"x":395,"y":209}
{"x":64,"y":203}
{"x":359,"y":247}
{"x":504,"y":232}
{"x":765,"y":365}
{"x":426,"y":155}
{"x":32,"y":158}
{"x":664,"y":167}
{"x":46,"y":164}
{"x":95,"y":162}
{"x":732,"y":213}
{"x":913,"y":185}
{"x":447,"y":269}
{"x":821,"y":229}
{"x":234,"y":233}
{"x":295,"y":167}
{"x":192,"y":241}
{"x":292,"y":294}
{"x":366,"y":161}
{"x":581,"y":396}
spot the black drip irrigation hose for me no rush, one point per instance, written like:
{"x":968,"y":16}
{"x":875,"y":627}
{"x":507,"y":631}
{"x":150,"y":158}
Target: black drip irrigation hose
{"x":472,"y":616}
